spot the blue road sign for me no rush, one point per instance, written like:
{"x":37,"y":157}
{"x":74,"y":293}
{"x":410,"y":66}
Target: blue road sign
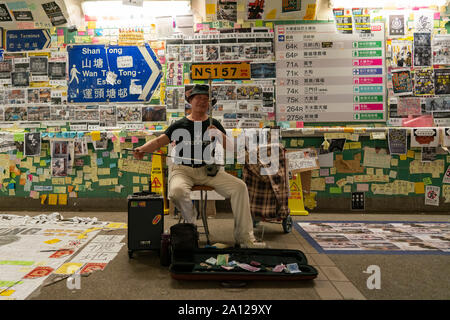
{"x":100,"y":73}
{"x":27,"y":40}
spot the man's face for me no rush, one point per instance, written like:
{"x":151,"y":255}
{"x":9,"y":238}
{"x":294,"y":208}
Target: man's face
{"x":200,"y":103}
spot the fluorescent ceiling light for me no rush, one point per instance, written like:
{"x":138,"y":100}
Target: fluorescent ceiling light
{"x":151,"y":9}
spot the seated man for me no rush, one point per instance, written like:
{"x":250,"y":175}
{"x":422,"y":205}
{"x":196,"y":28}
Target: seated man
{"x":188,"y":133}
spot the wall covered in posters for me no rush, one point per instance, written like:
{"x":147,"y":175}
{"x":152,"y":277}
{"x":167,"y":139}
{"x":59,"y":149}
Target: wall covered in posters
{"x":362,"y":69}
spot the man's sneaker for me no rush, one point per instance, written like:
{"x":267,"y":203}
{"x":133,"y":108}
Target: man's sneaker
{"x":253,"y":245}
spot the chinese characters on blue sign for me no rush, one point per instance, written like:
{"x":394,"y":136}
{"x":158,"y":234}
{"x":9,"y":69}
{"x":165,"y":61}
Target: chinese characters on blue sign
{"x":27,"y":40}
{"x":99,"y":73}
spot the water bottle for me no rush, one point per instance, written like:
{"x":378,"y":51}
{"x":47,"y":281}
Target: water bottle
{"x":165,"y":249}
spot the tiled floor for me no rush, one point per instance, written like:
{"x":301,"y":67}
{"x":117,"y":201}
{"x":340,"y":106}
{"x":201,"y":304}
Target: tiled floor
{"x":340,"y":276}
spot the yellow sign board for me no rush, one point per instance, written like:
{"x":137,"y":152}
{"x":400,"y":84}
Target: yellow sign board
{"x":230,"y":71}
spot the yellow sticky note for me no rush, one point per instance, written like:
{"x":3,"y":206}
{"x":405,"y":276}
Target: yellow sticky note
{"x":52,"y":199}
{"x":144,"y":180}
{"x":410,"y":154}
{"x":210,"y":8}
{"x":95,"y":135}
{"x":68,"y":268}
{"x":7,"y":293}
{"x":136,"y":189}
{"x":62,"y":199}
{"x":135,"y":179}
{"x":271,"y":15}
{"x":419,"y":187}
{"x":394,"y":162}
{"x":52,"y":241}
{"x":403,"y":157}
{"x":310,"y":12}
{"x":91,"y":24}
{"x":43,"y":198}
{"x":43,"y":163}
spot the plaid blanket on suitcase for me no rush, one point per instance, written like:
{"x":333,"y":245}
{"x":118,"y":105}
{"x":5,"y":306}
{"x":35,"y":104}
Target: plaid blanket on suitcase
{"x":268,"y":193}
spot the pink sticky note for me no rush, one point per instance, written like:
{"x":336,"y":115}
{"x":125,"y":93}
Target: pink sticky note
{"x":95,"y":40}
{"x":437,"y":16}
{"x":422,"y":121}
{"x":134,"y":140}
{"x":122,"y":139}
{"x":30,"y":177}
{"x":113,"y":138}
{"x":362,"y":187}
{"x":329,"y":180}
{"x":90,"y":32}
{"x":60,"y":32}
{"x":299,"y":124}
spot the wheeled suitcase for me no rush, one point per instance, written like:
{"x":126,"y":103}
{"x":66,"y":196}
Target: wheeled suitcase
{"x":145,"y":222}
{"x":196,"y":268}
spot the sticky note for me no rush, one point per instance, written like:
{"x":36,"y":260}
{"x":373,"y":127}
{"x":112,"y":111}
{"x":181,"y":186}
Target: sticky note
{"x":52,"y":199}
{"x":210,"y":8}
{"x":362,"y":187}
{"x":99,"y":161}
{"x":62,"y":199}
{"x":403,"y":157}
{"x":68,"y":268}
{"x":271,"y":15}
{"x":136,"y":179}
{"x":20,"y":137}
{"x":122,"y":139}
{"x":393,"y":174}
{"x":394,"y":162}
{"x":134,"y":139}
{"x":419,"y":187}
{"x":52,"y":241}
{"x":310,"y":12}
{"x":335,"y":190}
{"x":43,"y":198}
{"x":95,"y":135}
{"x":427,"y":181}
{"x":7,"y":293}
{"x":410,"y":154}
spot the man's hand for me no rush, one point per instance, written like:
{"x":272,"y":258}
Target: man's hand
{"x":138,"y":153}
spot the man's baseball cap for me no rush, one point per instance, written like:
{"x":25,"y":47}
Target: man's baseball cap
{"x":197,"y":89}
